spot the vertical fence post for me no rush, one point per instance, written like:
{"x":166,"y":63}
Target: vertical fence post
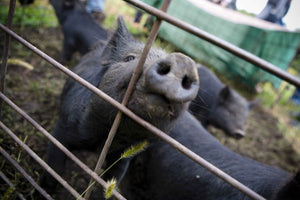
{"x":134,"y":78}
{"x":3,"y":66}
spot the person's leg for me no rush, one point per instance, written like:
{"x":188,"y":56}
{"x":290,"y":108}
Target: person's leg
{"x":138,"y":16}
{"x":96,"y":7}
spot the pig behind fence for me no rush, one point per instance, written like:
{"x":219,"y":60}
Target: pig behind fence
{"x":163,"y":92}
{"x":216,"y":104}
{"x":163,"y":173}
{"x":219,"y":105}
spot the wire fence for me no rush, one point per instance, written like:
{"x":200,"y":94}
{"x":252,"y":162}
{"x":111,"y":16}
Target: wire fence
{"x":161,"y":15}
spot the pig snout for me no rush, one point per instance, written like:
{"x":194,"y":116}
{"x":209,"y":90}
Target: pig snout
{"x":174,"y":77}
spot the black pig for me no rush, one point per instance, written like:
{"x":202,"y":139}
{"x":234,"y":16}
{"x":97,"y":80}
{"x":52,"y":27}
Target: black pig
{"x":81,"y":32}
{"x":216,"y":104}
{"x":163,"y":173}
{"x":219,"y":105}
{"x":26,"y":2}
{"x":163,"y":92}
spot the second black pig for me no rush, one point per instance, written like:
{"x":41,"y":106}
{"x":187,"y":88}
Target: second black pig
{"x":219,"y":105}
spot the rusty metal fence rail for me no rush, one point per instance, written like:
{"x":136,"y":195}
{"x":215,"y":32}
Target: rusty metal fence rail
{"x":123,"y":109}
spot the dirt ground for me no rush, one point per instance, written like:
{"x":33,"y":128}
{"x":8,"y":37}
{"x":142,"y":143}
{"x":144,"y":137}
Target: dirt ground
{"x":37,"y":91}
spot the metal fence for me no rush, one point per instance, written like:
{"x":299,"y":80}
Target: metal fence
{"x":161,"y":15}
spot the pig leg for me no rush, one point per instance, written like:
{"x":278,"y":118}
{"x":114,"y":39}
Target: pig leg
{"x":56,"y":160}
{"x":68,"y":50}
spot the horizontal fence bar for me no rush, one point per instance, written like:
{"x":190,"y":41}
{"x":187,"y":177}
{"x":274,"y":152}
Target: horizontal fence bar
{"x":267,"y":66}
{"x":42,"y":163}
{"x":27,"y":176}
{"x":139,"y":120}
{"x":60,"y":146}
{"x":11,"y":185}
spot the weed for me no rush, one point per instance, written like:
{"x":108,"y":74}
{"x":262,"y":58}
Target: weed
{"x":8,"y":193}
{"x":111,"y":186}
{"x":132,"y":151}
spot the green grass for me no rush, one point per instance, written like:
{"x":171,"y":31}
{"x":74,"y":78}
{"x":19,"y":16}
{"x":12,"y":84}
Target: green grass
{"x":279,"y":97}
{"x":38,"y":14}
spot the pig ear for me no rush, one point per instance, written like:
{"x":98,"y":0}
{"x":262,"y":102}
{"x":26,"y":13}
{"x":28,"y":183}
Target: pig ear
{"x":120,"y":38}
{"x":122,"y":30}
{"x":224,"y":94}
{"x":253,"y":103}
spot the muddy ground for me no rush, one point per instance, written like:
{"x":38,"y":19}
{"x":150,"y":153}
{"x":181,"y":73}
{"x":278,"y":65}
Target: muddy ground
{"x":37,"y":92}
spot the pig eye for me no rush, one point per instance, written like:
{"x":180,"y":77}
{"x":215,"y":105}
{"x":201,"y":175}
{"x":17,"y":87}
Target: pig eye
{"x":129,"y":58}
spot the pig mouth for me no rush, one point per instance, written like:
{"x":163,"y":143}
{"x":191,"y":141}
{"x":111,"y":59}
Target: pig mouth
{"x":160,"y":99}
{"x":171,"y":107}
{"x":164,"y":99}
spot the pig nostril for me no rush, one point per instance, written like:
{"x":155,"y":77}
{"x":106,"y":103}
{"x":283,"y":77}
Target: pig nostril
{"x":186,"y":82}
{"x":163,"y":69}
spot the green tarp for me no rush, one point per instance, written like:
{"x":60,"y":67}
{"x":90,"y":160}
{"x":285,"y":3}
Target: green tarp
{"x":274,"y":45}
